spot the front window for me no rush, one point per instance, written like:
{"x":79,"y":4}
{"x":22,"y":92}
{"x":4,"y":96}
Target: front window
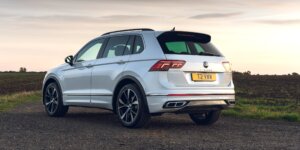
{"x":90,"y":51}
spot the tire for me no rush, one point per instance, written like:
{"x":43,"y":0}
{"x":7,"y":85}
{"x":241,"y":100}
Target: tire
{"x":52,"y":100}
{"x":207,"y":118}
{"x":131,"y":107}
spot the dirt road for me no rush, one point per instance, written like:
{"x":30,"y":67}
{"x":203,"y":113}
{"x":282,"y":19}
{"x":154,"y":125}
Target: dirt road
{"x":28,"y":127}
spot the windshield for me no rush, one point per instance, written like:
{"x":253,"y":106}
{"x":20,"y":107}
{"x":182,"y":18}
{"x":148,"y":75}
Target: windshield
{"x":186,"y":43}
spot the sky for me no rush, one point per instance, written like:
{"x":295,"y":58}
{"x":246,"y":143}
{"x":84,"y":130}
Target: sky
{"x":262,"y":36}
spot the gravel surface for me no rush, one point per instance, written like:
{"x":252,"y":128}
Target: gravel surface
{"x":28,"y":127}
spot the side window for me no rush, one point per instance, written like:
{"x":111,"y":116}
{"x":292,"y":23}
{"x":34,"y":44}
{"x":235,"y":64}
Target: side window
{"x":138,"y":45}
{"x":90,"y":51}
{"x":116,"y":46}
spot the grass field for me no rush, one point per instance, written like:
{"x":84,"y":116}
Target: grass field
{"x":259,"y":108}
{"x":266,"y":97}
{"x":258,"y":96}
{"x":11,"y":100}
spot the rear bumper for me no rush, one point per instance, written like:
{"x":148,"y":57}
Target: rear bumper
{"x":192,"y":102}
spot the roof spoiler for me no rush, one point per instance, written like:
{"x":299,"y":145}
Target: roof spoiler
{"x":182,"y":35}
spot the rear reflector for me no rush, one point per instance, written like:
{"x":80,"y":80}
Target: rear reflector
{"x":165,"y":65}
{"x":227,"y":66}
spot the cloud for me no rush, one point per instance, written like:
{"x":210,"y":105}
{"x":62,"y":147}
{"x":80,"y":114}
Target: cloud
{"x":78,"y":18}
{"x":125,"y":17}
{"x":216,"y":15}
{"x":280,"y":22}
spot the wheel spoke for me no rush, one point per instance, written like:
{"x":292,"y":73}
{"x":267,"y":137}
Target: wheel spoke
{"x":54,"y":93}
{"x":125,"y":113}
{"x":135,"y":102}
{"x":120,"y":107}
{"x":52,"y":107}
{"x":121,"y":101}
{"x":48,"y":103}
{"x":133,"y":98}
{"x":128,"y":95}
{"x":55,"y":102}
{"x":124,"y":98}
{"x":48,"y":93}
{"x":133,"y":112}
{"x":131,"y":116}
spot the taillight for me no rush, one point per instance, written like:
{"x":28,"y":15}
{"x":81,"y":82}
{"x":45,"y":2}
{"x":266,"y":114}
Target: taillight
{"x":227,"y":66}
{"x":165,"y":65}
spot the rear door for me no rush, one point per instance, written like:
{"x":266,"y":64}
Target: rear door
{"x":204,"y":63}
{"x":109,"y":68}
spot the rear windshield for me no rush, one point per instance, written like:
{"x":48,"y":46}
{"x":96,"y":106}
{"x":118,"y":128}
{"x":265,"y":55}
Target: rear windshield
{"x":187,"y":43}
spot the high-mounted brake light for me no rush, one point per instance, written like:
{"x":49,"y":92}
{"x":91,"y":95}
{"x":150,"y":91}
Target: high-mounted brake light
{"x":165,"y":65}
{"x":227,"y":66}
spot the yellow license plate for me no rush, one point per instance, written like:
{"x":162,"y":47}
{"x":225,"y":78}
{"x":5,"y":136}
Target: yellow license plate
{"x":203,"y":76}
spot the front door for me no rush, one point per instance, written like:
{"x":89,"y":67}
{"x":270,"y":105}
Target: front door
{"x":77,"y":78}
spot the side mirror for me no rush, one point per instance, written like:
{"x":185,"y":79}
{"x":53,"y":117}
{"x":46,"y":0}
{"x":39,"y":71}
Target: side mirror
{"x":69,"y":60}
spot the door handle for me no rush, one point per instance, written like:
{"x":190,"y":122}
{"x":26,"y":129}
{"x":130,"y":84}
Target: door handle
{"x":89,"y":66}
{"x":121,"y":62}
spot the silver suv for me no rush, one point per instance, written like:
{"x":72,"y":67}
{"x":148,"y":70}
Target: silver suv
{"x":138,"y":73}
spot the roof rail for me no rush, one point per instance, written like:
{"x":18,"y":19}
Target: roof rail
{"x":141,"y":29}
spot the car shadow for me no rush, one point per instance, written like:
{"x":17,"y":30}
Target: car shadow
{"x":107,"y":118}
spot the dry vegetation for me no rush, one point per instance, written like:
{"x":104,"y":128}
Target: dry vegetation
{"x":12,"y":82}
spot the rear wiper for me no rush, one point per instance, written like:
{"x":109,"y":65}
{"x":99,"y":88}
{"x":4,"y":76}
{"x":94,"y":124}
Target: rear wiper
{"x":207,"y":54}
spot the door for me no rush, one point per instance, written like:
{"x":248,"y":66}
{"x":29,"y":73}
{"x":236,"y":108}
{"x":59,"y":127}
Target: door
{"x":77,"y":78}
{"x":108,"y":70}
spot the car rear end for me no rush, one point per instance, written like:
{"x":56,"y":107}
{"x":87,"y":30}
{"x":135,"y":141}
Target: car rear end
{"x":193,"y":76}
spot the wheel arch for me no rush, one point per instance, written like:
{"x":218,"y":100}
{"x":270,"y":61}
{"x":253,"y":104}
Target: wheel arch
{"x":124,"y":81}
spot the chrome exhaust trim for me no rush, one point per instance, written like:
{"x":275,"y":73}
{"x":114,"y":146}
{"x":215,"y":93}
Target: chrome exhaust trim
{"x":175,"y":104}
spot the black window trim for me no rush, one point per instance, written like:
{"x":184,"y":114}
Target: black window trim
{"x":131,"y":48}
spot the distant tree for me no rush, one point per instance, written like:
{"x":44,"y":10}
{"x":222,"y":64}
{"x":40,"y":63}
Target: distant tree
{"x":247,"y":73}
{"x":22,"y":69}
{"x":295,"y":74}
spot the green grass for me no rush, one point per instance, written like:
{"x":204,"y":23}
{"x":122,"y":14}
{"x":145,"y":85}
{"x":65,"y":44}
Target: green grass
{"x":10,"y":101}
{"x":265,"y":109}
